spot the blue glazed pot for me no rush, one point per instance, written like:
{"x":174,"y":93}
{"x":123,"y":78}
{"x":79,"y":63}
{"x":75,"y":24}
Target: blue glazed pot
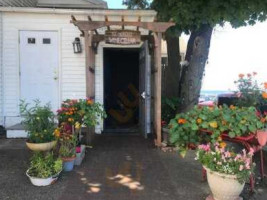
{"x":68,"y":164}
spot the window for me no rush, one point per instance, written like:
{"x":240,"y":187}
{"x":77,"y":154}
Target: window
{"x":46,"y":41}
{"x":31,"y":40}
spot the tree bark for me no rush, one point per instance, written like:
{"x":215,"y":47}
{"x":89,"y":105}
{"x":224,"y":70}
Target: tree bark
{"x":197,"y":56}
{"x":172,"y":72}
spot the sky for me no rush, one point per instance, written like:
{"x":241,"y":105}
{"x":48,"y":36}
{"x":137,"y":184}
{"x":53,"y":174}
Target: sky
{"x":232,"y":51}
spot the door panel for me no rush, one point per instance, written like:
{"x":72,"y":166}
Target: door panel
{"x":145,"y":90}
{"x":39,"y":67}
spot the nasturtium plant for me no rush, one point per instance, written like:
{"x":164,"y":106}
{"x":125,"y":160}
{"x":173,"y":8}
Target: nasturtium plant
{"x":206,"y":124}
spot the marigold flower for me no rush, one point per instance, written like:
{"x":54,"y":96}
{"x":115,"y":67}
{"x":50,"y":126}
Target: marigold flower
{"x":89,"y":101}
{"x":263,"y":120}
{"x":232,"y":107}
{"x":70,"y":120}
{"x":181,"y":121}
{"x":199,"y":121}
{"x":241,"y":76}
{"x":264,"y":95}
{"x":214,"y":124}
{"x":223,"y":145}
{"x":265,"y":85}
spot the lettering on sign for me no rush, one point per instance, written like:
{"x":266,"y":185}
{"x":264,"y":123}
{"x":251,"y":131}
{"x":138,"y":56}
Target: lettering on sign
{"x":123,"y":37}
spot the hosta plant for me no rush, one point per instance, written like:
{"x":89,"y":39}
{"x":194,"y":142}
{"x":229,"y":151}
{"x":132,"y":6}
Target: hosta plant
{"x":219,"y":159}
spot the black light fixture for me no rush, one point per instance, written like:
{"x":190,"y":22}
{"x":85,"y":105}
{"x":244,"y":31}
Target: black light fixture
{"x":77,"y":47}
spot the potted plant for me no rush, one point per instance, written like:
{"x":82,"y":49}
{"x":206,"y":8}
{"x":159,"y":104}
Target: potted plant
{"x":67,"y":147}
{"x":227,"y":171}
{"x":208,"y":124}
{"x":39,"y":122}
{"x":44,"y":169}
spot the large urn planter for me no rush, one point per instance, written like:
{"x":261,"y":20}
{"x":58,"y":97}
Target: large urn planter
{"x":68,"y":163}
{"x":43,"y":181}
{"x":223,"y":186}
{"x":41,"y":146}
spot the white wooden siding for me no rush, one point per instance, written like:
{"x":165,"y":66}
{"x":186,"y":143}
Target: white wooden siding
{"x":1,"y":83}
{"x":71,"y":66}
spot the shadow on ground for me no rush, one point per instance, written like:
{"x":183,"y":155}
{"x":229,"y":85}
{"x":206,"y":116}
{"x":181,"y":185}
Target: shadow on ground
{"x":116,"y":168}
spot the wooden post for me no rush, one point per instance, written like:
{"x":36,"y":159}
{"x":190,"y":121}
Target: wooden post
{"x":90,"y":77}
{"x":157,"y":108}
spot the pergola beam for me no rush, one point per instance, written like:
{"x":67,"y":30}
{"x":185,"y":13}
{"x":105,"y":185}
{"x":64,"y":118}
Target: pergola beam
{"x":158,"y":27}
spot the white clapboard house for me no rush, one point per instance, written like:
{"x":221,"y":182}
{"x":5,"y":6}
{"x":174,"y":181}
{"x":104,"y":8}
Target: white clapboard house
{"x":38,"y":61}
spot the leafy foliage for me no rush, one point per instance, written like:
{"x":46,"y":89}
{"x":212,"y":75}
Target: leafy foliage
{"x":169,"y":108}
{"x":186,"y":127}
{"x":136,"y":4}
{"x":84,"y":111}
{"x":38,"y":121}
{"x":190,"y":15}
{"x":218,"y":159}
{"x":44,"y":165}
{"x":67,"y":142}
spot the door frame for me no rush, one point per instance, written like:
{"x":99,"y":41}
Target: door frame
{"x":59,"y":67}
{"x":99,"y":75}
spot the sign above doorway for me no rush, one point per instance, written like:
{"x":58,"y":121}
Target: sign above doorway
{"x":123,"y":37}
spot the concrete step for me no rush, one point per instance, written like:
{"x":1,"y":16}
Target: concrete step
{"x":16,"y":131}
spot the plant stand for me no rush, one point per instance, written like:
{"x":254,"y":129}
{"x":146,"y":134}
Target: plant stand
{"x":80,"y":156}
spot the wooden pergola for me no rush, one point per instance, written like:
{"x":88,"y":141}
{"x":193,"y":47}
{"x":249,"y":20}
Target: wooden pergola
{"x":92,"y":37}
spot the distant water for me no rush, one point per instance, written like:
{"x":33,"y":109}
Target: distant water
{"x":213,"y":92}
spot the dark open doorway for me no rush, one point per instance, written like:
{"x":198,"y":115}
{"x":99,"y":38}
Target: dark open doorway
{"x":121,"y":85}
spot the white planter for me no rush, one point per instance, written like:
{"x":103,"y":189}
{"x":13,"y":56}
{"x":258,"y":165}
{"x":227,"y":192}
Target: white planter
{"x":41,"y":146}
{"x":43,"y":181}
{"x":223,"y":186}
{"x":80,"y":156}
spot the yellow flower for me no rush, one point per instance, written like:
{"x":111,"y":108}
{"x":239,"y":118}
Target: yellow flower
{"x":77,"y":125}
{"x":214,"y":124}
{"x":223,"y":145}
{"x":199,"y":121}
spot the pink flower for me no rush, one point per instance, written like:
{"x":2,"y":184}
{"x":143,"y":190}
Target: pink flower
{"x":241,"y":167}
{"x":251,"y":152}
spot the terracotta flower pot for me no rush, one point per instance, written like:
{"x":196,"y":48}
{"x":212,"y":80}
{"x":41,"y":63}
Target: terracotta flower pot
{"x":262,"y":137}
{"x":41,"y":146}
{"x":223,"y":186}
{"x":68,"y":163}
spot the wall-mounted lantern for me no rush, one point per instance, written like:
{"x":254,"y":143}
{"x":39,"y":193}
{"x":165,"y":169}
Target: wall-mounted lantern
{"x":77,"y":47}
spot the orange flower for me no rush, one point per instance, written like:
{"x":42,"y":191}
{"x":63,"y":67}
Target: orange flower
{"x":232,"y":107}
{"x":265,"y":85}
{"x":263,"y":120}
{"x":264,"y":95}
{"x":241,"y":75}
{"x":223,"y":145}
{"x":70,"y":120}
{"x":181,"y":121}
{"x":89,"y":101}
{"x":199,"y":121}
{"x":57,"y":132}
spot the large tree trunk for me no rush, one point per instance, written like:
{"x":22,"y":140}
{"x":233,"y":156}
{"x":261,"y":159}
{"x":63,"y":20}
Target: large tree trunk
{"x":172,"y":72}
{"x":192,"y":74}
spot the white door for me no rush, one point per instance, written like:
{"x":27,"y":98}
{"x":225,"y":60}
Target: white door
{"x":39,"y":67}
{"x":145,"y":90}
